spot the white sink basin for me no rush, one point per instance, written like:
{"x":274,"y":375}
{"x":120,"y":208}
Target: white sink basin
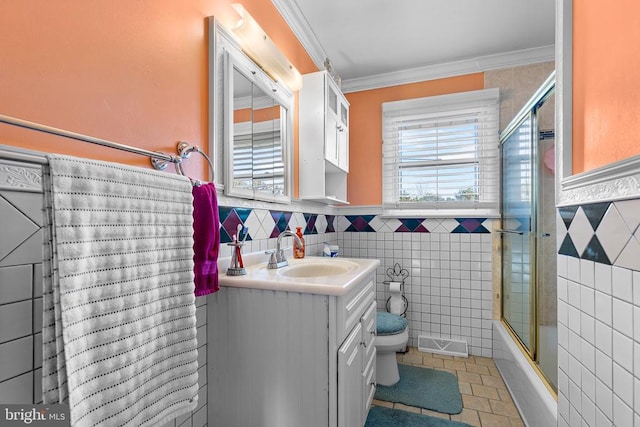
{"x":315,"y":275}
{"x":318,"y":268}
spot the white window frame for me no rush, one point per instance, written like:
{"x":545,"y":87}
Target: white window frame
{"x":482,"y":103}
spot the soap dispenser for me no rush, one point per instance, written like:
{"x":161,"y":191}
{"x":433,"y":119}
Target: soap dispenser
{"x":298,"y":250}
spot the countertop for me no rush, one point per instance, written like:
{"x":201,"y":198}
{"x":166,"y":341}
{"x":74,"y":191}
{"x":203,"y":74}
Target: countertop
{"x":259,"y":277}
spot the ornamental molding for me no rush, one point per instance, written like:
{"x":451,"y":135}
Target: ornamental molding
{"x":617,"y":181}
{"x":22,"y":177}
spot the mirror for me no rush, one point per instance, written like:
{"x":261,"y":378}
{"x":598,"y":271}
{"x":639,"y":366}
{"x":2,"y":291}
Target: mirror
{"x":256,"y":122}
{"x":258,"y":151}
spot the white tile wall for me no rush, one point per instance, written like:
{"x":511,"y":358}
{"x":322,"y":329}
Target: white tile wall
{"x":20,"y":297}
{"x":21,"y":309}
{"x":450,"y":283}
{"x":599,"y":349}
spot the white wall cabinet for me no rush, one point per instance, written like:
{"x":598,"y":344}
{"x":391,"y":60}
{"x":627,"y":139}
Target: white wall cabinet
{"x":324,"y":140}
{"x":293,"y":359}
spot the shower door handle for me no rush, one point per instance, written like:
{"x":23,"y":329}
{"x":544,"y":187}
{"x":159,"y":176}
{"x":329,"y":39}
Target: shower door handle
{"x":519,"y":233}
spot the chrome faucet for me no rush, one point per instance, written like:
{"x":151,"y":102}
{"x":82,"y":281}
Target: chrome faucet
{"x":277,"y":258}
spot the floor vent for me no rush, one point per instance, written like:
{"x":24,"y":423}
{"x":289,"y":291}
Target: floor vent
{"x":447,"y":346}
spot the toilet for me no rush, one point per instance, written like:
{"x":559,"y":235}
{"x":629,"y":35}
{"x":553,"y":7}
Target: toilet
{"x":391,"y":336}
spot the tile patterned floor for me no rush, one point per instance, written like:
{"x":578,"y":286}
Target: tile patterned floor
{"x":485,"y":399}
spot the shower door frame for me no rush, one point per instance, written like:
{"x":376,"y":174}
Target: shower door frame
{"x":546,"y":90}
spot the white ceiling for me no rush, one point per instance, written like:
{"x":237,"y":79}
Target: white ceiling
{"x":375,"y":40}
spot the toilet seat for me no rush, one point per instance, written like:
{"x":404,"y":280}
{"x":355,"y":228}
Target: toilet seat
{"x":392,"y":336}
{"x":389,"y":324}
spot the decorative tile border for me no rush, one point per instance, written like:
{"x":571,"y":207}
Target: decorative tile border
{"x":607,"y":232}
{"x":264,"y":224}
{"x":373,"y":223}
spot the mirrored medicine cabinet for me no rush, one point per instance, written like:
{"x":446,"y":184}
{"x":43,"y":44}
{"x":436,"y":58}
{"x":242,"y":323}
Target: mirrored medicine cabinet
{"x":251,"y":123}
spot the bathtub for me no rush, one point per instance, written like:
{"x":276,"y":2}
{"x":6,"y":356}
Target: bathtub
{"x":536,"y":404}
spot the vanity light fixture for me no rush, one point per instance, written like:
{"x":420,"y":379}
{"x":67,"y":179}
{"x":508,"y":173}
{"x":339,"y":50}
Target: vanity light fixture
{"x":259,"y":47}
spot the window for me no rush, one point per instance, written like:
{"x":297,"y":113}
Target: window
{"x":442,"y":152}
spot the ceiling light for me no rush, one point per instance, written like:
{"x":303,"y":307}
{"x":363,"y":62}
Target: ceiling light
{"x":259,"y":47}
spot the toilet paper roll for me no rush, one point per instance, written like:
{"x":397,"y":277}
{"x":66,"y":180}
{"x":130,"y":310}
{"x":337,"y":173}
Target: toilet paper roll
{"x":396,"y":305}
{"x":394,"y":287}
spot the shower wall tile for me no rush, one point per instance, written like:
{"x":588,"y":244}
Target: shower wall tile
{"x":606,"y":275}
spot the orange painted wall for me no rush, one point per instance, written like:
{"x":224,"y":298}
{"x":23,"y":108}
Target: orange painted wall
{"x":134,"y":72}
{"x":606,"y":87}
{"x":364,"y":186}
{"x":259,"y":115}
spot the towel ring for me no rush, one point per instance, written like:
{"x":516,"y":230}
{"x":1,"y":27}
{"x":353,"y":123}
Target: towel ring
{"x":184,"y":151}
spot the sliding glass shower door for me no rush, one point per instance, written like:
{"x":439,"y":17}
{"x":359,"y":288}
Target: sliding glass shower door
{"x":517,"y":242}
{"x":528,"y":231}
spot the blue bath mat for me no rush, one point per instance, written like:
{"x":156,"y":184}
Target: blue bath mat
{"x":424,"y":388}
{"x":387,"y":417}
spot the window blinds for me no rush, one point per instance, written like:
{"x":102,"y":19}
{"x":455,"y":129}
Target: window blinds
{"x":258,"y":161}
{"x":442,"y":152}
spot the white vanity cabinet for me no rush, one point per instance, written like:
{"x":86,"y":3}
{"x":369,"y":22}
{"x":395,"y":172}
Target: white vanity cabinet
{"x":324,"y":139}
{"x":279,"y":358}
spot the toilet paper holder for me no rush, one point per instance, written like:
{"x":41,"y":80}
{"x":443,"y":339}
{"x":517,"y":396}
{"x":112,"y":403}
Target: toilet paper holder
{"x":397,"y":275}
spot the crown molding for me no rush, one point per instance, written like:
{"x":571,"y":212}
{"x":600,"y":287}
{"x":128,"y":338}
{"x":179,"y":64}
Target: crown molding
{"x":451,"y":69}
{"x":291,"y":13}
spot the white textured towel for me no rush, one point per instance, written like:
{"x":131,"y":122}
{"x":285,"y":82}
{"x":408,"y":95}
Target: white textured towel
{"x":119,"y":328}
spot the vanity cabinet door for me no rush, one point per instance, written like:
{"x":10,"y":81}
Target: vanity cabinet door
{"x":368,"y":379}
{"x":350,"y":390}
{"x":369,"y":383}
{"x":368,"y":321}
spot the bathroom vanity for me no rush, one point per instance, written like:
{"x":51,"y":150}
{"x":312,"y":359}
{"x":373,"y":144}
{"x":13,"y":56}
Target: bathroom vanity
{"x":293,"y":346}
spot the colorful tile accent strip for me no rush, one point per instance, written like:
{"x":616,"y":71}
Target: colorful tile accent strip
{"x":411,"y":225}
{"x":330,"y":221}
{"x":360,"y":223}
{"x":470,"y":225}
{"x":310,"y":219}
{"x":607,"y":233}
{"x":265,"y":224}
{"x":281,"y":222}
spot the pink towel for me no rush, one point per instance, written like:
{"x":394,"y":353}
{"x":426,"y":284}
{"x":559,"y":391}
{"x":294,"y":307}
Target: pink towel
{"x":206,"y":238}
